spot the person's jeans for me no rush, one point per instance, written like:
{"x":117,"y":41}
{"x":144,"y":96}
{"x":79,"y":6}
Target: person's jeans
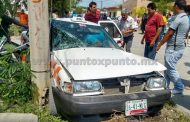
{"x":162,"y":33}
{"x":128,"y":43}
{"x":150,"y":52}
{"x":171,"y":58}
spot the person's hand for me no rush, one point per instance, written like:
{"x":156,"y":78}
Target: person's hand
{"x":120,"y":43}
{"x":152,"y":43}
{"x":123,"y":31}
{"x":142,"y":41}
{"x":158,"y":48}
{"x":25,"y":26}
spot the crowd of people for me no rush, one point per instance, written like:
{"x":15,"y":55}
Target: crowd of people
{"x":157,"y":29}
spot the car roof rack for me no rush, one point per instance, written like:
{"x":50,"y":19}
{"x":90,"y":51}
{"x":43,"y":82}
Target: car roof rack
{"x":78,"y":19}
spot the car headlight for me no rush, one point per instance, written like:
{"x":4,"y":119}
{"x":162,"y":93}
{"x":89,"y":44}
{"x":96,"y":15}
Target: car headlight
{"x":82,"y":88}
{"x":158,"y":83}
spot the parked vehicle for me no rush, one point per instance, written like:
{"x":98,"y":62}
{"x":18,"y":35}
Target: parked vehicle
{"x":87,"y":81}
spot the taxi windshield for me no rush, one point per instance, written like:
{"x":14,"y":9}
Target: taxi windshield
{"x":66,"y":35}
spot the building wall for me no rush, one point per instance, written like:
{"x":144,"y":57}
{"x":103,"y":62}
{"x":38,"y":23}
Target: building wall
{"x":130,"y":4}
{"x":112,"y":11}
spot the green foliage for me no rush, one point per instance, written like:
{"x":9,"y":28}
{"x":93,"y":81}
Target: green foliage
{"x":16,"y":76}
{"x":62,"y":5}
{"x":42,"y":113}
{"x":78,"y":10}
{"x":139,"y":11}
{"x":8,"y":7}
{"x":15,"y":30}
{"x":163,"y":5}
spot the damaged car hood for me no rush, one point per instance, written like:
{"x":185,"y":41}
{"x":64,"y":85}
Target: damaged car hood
{"x":102,"y":63}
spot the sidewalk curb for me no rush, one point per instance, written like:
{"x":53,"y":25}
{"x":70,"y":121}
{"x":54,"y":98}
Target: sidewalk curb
{"x":183,"y":110}
{"x":18,"y":117}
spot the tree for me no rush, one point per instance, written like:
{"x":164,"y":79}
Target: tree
{"x":62,"y":5}
{"x":8,"y":7}
{"x":139,"y":11}
{"x":163,"y":5}
{"x":78,"y":10}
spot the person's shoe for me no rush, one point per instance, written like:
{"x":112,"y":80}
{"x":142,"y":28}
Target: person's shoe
{"x":174,"y":91}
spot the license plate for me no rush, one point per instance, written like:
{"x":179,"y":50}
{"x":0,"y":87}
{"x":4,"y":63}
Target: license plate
{"x":135,"y":107}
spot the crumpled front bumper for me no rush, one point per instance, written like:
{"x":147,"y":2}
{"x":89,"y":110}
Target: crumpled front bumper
{"x":87,"y":105}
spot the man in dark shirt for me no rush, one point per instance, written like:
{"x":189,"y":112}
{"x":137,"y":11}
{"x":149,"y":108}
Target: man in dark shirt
{"x":93,"y":15}
{"x":6,"y":21}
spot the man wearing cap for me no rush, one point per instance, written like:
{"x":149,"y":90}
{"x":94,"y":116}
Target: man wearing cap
{"x":152,"y":31}
{"x":127,"y":27}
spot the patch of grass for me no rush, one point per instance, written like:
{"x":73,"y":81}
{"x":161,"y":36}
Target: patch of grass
{"x":15,"y":30}
{"x":168,"y":114}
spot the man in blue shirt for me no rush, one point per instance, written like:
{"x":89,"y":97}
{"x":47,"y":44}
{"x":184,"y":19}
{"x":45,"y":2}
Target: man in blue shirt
{"x":175,"y":38}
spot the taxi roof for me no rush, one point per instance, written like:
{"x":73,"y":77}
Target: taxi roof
{"x":77,"y":20}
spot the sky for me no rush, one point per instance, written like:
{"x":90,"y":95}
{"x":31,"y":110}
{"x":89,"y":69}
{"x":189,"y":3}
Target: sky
{"x":105,"y":3}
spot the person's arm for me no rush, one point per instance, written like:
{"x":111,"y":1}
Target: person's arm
{"x":166,"y":37}
{"x":169,"y":34}
{"x":142,"y":41}
{"x":14,"y":21}
{"x":156,"y":36}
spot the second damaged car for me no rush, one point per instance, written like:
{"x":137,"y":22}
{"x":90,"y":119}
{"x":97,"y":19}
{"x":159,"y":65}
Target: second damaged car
{"x":91,"y":75}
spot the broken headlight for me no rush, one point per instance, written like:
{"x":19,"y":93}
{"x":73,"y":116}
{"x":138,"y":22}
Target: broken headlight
{"x":157,"y":83}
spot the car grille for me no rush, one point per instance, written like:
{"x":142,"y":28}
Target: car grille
{"x":112,"y":86}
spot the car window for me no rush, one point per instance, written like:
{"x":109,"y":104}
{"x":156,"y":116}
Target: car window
{"x":111,"y":29}
{"x":66,"y":35}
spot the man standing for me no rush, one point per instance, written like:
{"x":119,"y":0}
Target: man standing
{"x":93,"y":15}
{"x":175,"y":38}
{"x":152,"y":31}
{"x":127,"y":27}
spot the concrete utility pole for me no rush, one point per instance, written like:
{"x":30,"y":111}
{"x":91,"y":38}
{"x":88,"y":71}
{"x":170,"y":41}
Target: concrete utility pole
{"x":39,"y":43}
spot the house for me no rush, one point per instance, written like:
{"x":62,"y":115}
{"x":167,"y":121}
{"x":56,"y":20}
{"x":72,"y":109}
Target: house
{"x":114,"y":11}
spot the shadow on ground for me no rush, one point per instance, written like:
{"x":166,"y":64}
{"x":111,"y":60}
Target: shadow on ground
{"x":182,"y":100}
{"x":187,"y":64}
{"x":186,"y":82}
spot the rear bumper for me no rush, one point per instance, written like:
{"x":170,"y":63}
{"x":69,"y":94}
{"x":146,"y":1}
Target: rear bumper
{"x":86,"y":105}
